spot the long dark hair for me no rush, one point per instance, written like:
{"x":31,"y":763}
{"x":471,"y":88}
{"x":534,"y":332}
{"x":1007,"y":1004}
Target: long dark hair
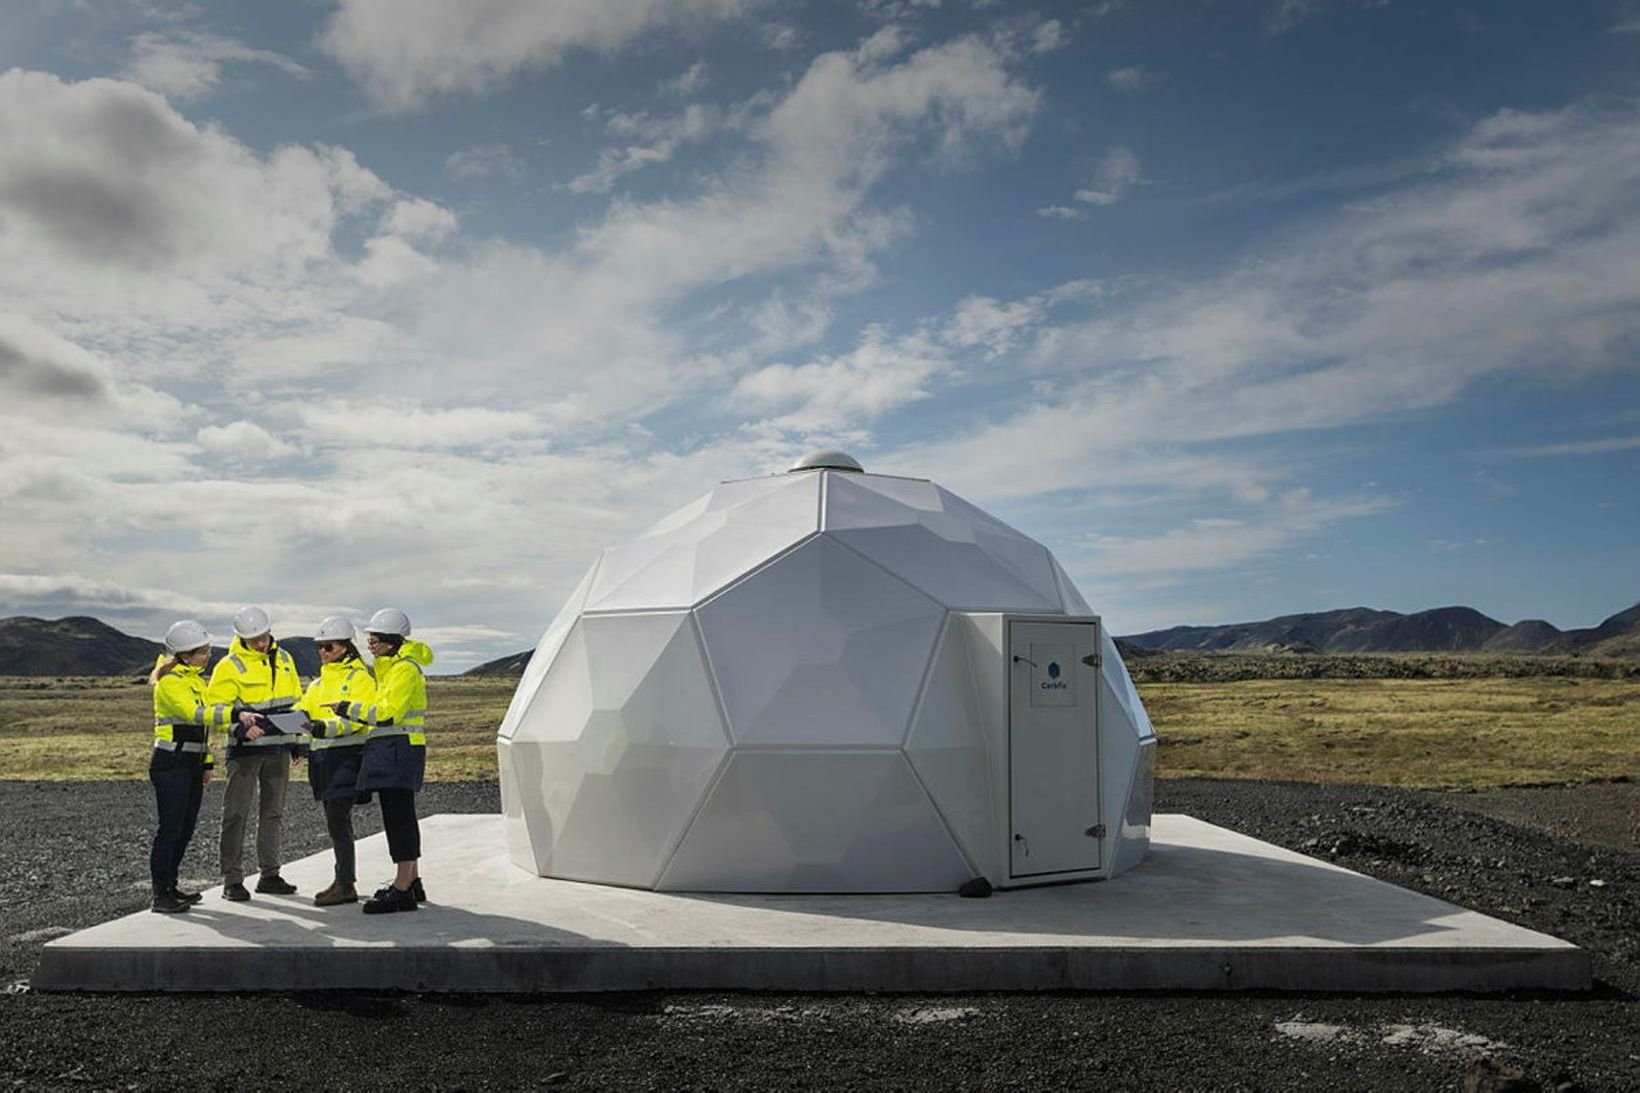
{"x":351,"y":650}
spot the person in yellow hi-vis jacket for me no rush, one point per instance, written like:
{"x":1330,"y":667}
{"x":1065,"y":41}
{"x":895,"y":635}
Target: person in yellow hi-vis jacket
{"x":395,"y":752}
{"x":256,"y":678}
{"x":181,"y":765}
{"x":338,"y":745}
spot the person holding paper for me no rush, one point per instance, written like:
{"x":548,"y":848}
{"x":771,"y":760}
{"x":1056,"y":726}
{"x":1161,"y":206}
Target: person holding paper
{"x":338,"y":744}
{"x":181,"y":765}
{"x":256,"y":679}
{"x":395,"y":753}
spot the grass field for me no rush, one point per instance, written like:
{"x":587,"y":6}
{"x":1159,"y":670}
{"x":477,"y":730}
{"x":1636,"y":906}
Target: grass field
{"x":1425,"y":733}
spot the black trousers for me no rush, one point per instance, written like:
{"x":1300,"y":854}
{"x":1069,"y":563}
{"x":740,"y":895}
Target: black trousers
{"x":399,"y":821}
{"x":339,"y":822}
{"x":179,"y":786}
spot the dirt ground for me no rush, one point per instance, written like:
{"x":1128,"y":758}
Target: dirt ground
{"x":1600,"y":813}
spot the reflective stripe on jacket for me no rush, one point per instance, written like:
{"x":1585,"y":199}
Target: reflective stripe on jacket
{"x":400,"y":705}
{"x":248,"y":680}
{"x":182,"y":719}
{"x":339,"y":681}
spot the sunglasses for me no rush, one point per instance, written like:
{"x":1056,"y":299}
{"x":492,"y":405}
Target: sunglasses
{"x":323,"y":645}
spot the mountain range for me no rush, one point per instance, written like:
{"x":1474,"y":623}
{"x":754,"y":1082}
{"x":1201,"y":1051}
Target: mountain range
{"x":83,"y":646}
{"x":1364,"y":630}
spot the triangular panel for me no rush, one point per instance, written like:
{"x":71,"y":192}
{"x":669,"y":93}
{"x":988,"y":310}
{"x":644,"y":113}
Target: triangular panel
{"x":951,"y":550}
{"x":947,"y":748}
{"x":820,"y":648}
{"x":623,"y":741}
{"x":694,"y":552}
{"x":816,"y":821}
{"x":545,"y":650}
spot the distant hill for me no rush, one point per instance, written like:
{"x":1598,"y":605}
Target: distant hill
{"x":83,"y":646}
{"x":1364,"y":630}
{"x":511,"y":665}
{"x":75,"y":646}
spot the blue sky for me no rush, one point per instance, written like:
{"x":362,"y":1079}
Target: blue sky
{"x":1243,"y":309}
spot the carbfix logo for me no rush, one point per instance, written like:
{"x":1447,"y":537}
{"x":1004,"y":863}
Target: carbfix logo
{"x":1053,"y":682}
{"x":1053,"y":669}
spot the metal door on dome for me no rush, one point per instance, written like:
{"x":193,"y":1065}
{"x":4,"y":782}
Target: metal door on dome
{"x":1053,"y":747}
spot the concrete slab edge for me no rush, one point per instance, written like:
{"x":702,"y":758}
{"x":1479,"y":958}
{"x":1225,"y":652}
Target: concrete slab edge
{"x":919,"y":970}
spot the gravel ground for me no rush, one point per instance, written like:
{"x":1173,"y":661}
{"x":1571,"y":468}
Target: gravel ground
{"x":75,"y":854}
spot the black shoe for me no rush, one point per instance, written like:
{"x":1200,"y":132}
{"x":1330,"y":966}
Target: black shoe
{"x":189,"y":898}
{"x":235,"y":892}
{"x":391,"y":899}
{"x":167,"y":903}
{"x":272,"y":884}
{"x":418,"y":891}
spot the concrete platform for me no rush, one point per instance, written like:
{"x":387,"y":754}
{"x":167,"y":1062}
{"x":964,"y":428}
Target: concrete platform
{"x":1210,"y":909}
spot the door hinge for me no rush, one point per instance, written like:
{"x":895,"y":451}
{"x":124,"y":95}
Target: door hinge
{"x":1092,"y":660}
{"x":1097,"y":831}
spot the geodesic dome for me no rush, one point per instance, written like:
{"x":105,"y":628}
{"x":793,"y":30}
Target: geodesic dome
{"x":801,"y":683}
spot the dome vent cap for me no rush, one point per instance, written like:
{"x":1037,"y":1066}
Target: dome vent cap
{"x":829,"y":459}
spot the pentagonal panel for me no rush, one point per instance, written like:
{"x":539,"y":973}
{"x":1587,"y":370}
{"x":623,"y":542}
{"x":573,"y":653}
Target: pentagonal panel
{"x":545,"y":650}
{"x":706,"y":544}
{"x":951,"y":550}
{"x":816,"y":821}
{"x":619,"y":745}
{"x":820,"y":647}
{"x":947,"y":748}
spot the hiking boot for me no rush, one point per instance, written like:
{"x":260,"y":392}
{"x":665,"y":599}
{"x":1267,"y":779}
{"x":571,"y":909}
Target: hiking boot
{"x":235,"y":892}
{"x":391,"y":899}
{"x":167,"y":903}
{"x":337,"y":893}
{"x":272,"y":884}
{"x":187,"y":897}
{"x":415,"y":890}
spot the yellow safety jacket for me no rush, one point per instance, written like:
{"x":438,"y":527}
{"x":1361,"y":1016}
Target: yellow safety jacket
{"x":339,"y":681}
{"x":182,"y":720}
{"x":400,"y":705}
{"x":248,"y":680}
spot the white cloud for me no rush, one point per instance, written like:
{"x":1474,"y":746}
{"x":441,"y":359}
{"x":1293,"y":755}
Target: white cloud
{"x":183,"y":65}
{"x":663,"y":137}
{"x":1510,"y":255}
{"x":848,"y":391}
{"x":1578,"y":447}
{"x":406,"y":51}
{"x":1116,"y":173}
{"x":245,"y":441}
{"x":481,"y":161}
{"x":1130,"y":80}
{"x":1212,"y":544}
{"x":687,"y":83}
{"x":1061,"y":212}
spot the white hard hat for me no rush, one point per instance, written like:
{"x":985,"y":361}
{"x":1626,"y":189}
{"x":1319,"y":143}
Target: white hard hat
{"x":335,"y":628}
{"x":186,"y":636}
{"x":389,"y":620}
{"x":251,"y":622}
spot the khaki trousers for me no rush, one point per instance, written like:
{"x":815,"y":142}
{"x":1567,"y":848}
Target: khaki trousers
{"x":268,"y":772}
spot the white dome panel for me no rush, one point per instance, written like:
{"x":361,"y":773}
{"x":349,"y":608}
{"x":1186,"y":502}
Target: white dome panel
{"x":760,"y":829}
{"x":619,"y":748}
{"x":1122,"y":688}
{"x":1073,"y":600}
{"x":706,"y":544}
{"x":545,"y":650}
{"x":847,"y":674}
{"x":946,"y":746}
{"x":956,"y":553}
